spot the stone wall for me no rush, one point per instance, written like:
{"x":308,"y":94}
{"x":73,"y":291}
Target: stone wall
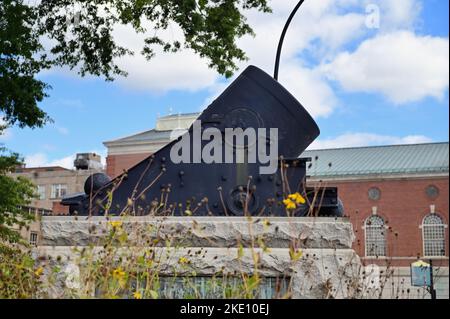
{"x":328,"y":266}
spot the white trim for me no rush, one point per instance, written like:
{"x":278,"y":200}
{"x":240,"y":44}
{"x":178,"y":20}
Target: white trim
{"x":133,"y":143}
{"x":374,"y":210}
{"x":445,"y":226}
{"x":432,"y":209}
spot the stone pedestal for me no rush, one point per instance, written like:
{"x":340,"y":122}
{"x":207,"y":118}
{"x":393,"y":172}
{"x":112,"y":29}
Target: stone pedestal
{"x":315,"y":253}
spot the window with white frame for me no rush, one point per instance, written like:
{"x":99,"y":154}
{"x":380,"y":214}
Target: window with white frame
{"x":58,"y":190}
{"x":375,"y":236}
{"x":41,"y":191}
{"x":433,"y":233}
{"x":33,"y":238}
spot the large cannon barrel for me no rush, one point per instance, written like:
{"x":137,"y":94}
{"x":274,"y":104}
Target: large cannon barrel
{"x":256,"y":100}
{"x":189,"y":176}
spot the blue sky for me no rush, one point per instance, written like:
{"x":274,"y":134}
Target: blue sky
{"x":364,"y":85}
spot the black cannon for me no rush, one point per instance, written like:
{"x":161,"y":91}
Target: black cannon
{"x":261,"y":175}
{"x":162,"y":185}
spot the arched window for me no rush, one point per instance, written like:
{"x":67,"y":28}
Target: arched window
{"x":433,"y":232}
{"x":375,"y":236}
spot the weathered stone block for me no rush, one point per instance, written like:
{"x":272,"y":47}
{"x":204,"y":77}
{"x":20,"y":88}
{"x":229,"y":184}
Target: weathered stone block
{"x":320,"y":273}
{"x":278,"y":232}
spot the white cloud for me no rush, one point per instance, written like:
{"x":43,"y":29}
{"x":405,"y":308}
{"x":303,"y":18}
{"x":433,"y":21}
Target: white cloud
{"x":36,"y":160}
{"x":41,"y":160}
{"x":400,"y":65}
{"x":310,"y":89}
{"x":366,"y":139}
{"x":398,"y":14}
{"x":166,"y":71}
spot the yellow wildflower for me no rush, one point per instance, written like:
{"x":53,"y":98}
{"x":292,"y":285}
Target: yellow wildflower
{"x":293,"y":200}
{"x":116,"y":224}
{"x":289,"y":204}
{"x":118,"y":273}
{"x":295,"y":254}
{"x":137,"y":295}
{"x":39,"y":271}
{"x":266,"y":224}
{"x":297,"y":198}
{"x":183,"y":260}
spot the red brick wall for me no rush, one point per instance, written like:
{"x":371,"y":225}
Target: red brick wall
{"x":116,"y":164}
{"x":403,"y":204}
{"x":59,"y":209}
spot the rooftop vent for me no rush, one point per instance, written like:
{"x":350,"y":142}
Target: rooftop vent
{"x":84,"y":161}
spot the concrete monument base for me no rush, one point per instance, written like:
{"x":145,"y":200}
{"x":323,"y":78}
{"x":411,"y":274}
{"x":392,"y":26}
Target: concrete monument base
{"x":314,"y":253}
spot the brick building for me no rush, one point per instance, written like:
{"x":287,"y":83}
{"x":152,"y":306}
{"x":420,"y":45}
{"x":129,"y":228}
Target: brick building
{"x":389,"y":192}
{"x":32,"y":231}
{"x":397,"y":200}
{"x":395,"y":196}
{"x":54,"y":182}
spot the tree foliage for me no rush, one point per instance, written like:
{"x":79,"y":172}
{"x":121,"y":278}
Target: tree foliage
{"x":80,"y":35}
{"x":15,"y":193}
{"x":20,"y":91}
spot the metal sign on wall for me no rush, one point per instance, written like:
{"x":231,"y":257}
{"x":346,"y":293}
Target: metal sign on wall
{"x":420,"y":274}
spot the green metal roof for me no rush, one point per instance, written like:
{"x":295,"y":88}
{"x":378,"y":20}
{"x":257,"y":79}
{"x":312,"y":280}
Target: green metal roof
{"x":377,"y":160}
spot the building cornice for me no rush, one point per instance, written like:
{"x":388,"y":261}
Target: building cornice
{"x":132,"y":143}
{"x":136,"y":148}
